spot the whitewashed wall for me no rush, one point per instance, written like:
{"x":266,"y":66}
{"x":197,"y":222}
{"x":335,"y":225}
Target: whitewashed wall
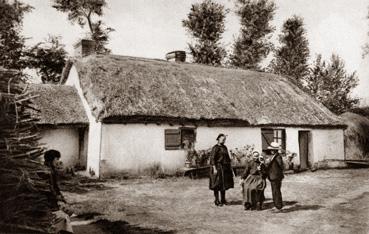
{"x":136,"y":147}
{"x":325,"y":144}
{"x":94,"y":131}
{"x":292,"y":144}
{"x":64,"y":140}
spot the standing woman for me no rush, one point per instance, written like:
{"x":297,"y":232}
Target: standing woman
{"x":221,"y":173}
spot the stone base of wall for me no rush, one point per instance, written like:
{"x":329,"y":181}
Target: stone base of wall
{"x":330,"y":164}
{"x":156,"y":170}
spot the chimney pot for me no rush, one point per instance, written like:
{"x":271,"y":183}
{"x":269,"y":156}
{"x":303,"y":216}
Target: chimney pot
{"x":84,"y":48}
{"x":177,"y":56}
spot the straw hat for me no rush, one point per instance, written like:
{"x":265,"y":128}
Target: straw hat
{"x":274,"y":146}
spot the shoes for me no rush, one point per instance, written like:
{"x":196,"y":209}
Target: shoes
{"x":247,"y":206}
{"x":225,"y":203}
{"x":259,"y":206}
{"x":217,"y":203}
{"x":276,"y":210}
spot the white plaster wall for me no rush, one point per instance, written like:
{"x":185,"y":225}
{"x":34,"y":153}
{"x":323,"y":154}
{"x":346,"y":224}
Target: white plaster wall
{"x":94,"y":130}
{"x":292,"y":143}
{"x":136,"y":147}
{"x":64,"y":140}
{"x":328,"y":144}
{"x":237,"y":137}
{"x":324,"y":144}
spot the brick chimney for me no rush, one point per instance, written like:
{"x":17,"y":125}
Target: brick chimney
{"x":176,"y":56}
{"x":84,"y":48}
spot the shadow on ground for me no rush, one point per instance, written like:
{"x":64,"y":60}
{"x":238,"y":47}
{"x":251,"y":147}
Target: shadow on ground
{"x":239,"y":202}
{"x":104,"y":226}
{"x":269,"y":205}
{"x":80,"y":185}
{"x":124,"y":227}
{"x":301,"y":207}
{"x":294,"y":206}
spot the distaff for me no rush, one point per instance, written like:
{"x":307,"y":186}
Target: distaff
{"x":253,"y":182}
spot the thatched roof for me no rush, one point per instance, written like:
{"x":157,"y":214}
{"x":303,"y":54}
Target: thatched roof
{"x":364,"y":111}
{"x":58,"y":104}
{"x":357,"y":124}
{"x":124,"y":88}
{"x":356,"y":136}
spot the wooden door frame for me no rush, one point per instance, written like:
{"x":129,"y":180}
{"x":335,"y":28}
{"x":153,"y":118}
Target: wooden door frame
{"x":308,"y":147}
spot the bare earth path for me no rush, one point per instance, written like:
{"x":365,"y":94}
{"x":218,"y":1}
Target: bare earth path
{"x":332,"y":201}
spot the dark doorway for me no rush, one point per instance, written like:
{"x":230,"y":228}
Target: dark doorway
{"x":304,"y":138}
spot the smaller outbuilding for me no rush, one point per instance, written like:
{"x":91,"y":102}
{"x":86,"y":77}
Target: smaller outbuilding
{"x":62,"y":122}
{"x":356,"y":136}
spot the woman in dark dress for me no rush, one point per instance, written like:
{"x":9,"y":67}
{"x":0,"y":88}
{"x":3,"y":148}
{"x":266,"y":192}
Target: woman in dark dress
{"x":253,"y":183}
{"x":221,"y":173}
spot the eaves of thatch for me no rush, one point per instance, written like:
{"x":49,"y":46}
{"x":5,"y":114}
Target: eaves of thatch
{"x":128,"y":89}
{"x":358,"y":125}
{"x":57,"y":105}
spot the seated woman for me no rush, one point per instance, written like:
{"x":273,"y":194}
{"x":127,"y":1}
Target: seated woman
{"x":62,"y":223}
{"x":253,"y":182}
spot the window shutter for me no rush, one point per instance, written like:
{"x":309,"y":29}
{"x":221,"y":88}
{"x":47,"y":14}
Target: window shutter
{"x":172,"y":139}
{"x":267,"y":136}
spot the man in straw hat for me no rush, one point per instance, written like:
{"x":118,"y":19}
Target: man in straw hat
{"x":221,"y":173}
{"x":275,"y":173}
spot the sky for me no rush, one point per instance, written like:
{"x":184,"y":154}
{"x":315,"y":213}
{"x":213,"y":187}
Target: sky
{"x":151,"y":28}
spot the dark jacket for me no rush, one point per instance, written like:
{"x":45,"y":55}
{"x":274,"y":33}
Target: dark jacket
{"x":54,"y":195}
{"x":223,"y":179}
{"x":275,"y":168}
{"x":219,"y":155}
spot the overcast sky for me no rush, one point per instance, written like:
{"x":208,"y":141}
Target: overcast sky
{"x":150,"y":28}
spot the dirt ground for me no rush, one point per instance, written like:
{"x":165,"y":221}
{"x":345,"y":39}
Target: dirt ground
{"x":330,"y":201}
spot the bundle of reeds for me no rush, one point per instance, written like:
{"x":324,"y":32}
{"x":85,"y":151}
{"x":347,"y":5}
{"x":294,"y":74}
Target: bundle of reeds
{"x":24,"y":183}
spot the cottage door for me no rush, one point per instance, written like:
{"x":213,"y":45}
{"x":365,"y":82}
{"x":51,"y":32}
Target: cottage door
{"x":304,"y":149}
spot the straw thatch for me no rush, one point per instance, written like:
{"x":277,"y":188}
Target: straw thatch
{"x":120,"y":88}
{"x":58,"y":104}
{"x":363,"y":111}
{"x":356,"y":136}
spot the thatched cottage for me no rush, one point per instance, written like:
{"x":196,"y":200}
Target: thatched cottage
{"x":141,"y":111}
{"x":62,"y":121}
{"x":356,"y":136}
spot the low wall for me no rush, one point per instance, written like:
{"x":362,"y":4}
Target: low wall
{"x":64,"y":140}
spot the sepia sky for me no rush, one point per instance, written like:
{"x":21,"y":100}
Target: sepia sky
{"x":150,"y":28}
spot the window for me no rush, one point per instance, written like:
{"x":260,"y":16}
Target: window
{"x":181,"y":138}
{"x":270,"y":135}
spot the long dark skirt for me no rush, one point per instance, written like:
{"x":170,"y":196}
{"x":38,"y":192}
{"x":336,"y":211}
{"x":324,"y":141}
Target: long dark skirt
{"x":223,"y":179}
{"x":253,"y":190}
